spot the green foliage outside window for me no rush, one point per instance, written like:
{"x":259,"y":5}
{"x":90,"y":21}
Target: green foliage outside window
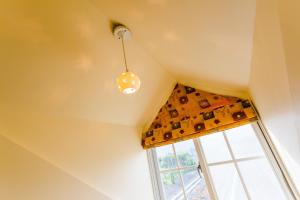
{"x":169,"y":162}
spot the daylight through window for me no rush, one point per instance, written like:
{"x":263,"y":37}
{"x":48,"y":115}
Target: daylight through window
{"x":229,"y":165}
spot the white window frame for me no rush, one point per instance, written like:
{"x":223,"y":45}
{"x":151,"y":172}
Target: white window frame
{"x":275,"y":159}
{"x":265,"y":142}
{"x":233,"y":161}
{"x":156,"y":183}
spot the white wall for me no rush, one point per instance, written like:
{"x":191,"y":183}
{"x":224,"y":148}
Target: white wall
{"x":107,"y":157}
{"x":290,"y":27}
{"x":270,"y":85}
{"x":24,"y":176}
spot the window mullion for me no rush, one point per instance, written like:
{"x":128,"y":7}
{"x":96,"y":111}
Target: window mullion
{"x":158,"y":175}
{"x":178,"y":169}
{"x":237,"y":160}
{"x":204,"y":166}
{"x":236,"y":166}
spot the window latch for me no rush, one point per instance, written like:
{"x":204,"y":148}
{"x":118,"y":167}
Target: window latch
{"x":199,"y":169}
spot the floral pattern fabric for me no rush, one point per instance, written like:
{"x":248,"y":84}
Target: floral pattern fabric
{"x":191,"y":113}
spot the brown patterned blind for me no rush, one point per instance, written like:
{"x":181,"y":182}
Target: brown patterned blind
{"x":191,"y":113}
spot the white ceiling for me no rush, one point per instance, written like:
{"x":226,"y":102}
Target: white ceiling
{"x":195,"y":40}
{"x":60,"y":58}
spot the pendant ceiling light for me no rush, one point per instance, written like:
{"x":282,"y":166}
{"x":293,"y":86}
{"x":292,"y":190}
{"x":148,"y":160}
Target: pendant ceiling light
{"x":127,"y":81}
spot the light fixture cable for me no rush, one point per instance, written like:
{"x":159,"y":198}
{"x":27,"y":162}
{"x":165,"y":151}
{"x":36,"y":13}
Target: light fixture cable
{"x":124,"y":53}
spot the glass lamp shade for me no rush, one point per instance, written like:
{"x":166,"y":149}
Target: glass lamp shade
{"x":128,"y":82}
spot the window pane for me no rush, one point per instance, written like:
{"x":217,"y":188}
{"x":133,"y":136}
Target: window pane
{"x":195,"y":186}
{"x":186,"y":153}
{"x":215,"y":148}
{"x":260,"y":180}
{"x":172,"y":185}
{"x":190,"y":176}
{"x":165,"y":157}
{"x":227,"y":183}
{"x":244,"y":142}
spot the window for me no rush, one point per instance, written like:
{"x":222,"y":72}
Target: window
{"x":229,"y":165}
{"x":179,"y":175}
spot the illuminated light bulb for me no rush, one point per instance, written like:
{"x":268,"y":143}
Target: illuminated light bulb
{"x":128,"y":83}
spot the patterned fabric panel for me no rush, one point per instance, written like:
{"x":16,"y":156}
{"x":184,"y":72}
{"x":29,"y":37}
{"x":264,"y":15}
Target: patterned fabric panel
{"x":191,"y":113}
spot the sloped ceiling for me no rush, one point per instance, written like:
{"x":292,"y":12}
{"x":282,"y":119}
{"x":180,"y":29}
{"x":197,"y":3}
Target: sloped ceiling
{"x":203,"y":43}
{"x":60,"y":58}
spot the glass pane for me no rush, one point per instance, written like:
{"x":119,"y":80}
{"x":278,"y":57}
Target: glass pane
{"x":244,"y":142}
{"x":165,"y":157}
{"x":186,"y":153}
{"x":215,"y":148}
{"x":194,"y":184}
{"x":260,"y":180}
{"x":172,"y":185}
{"x":227,"y":183}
